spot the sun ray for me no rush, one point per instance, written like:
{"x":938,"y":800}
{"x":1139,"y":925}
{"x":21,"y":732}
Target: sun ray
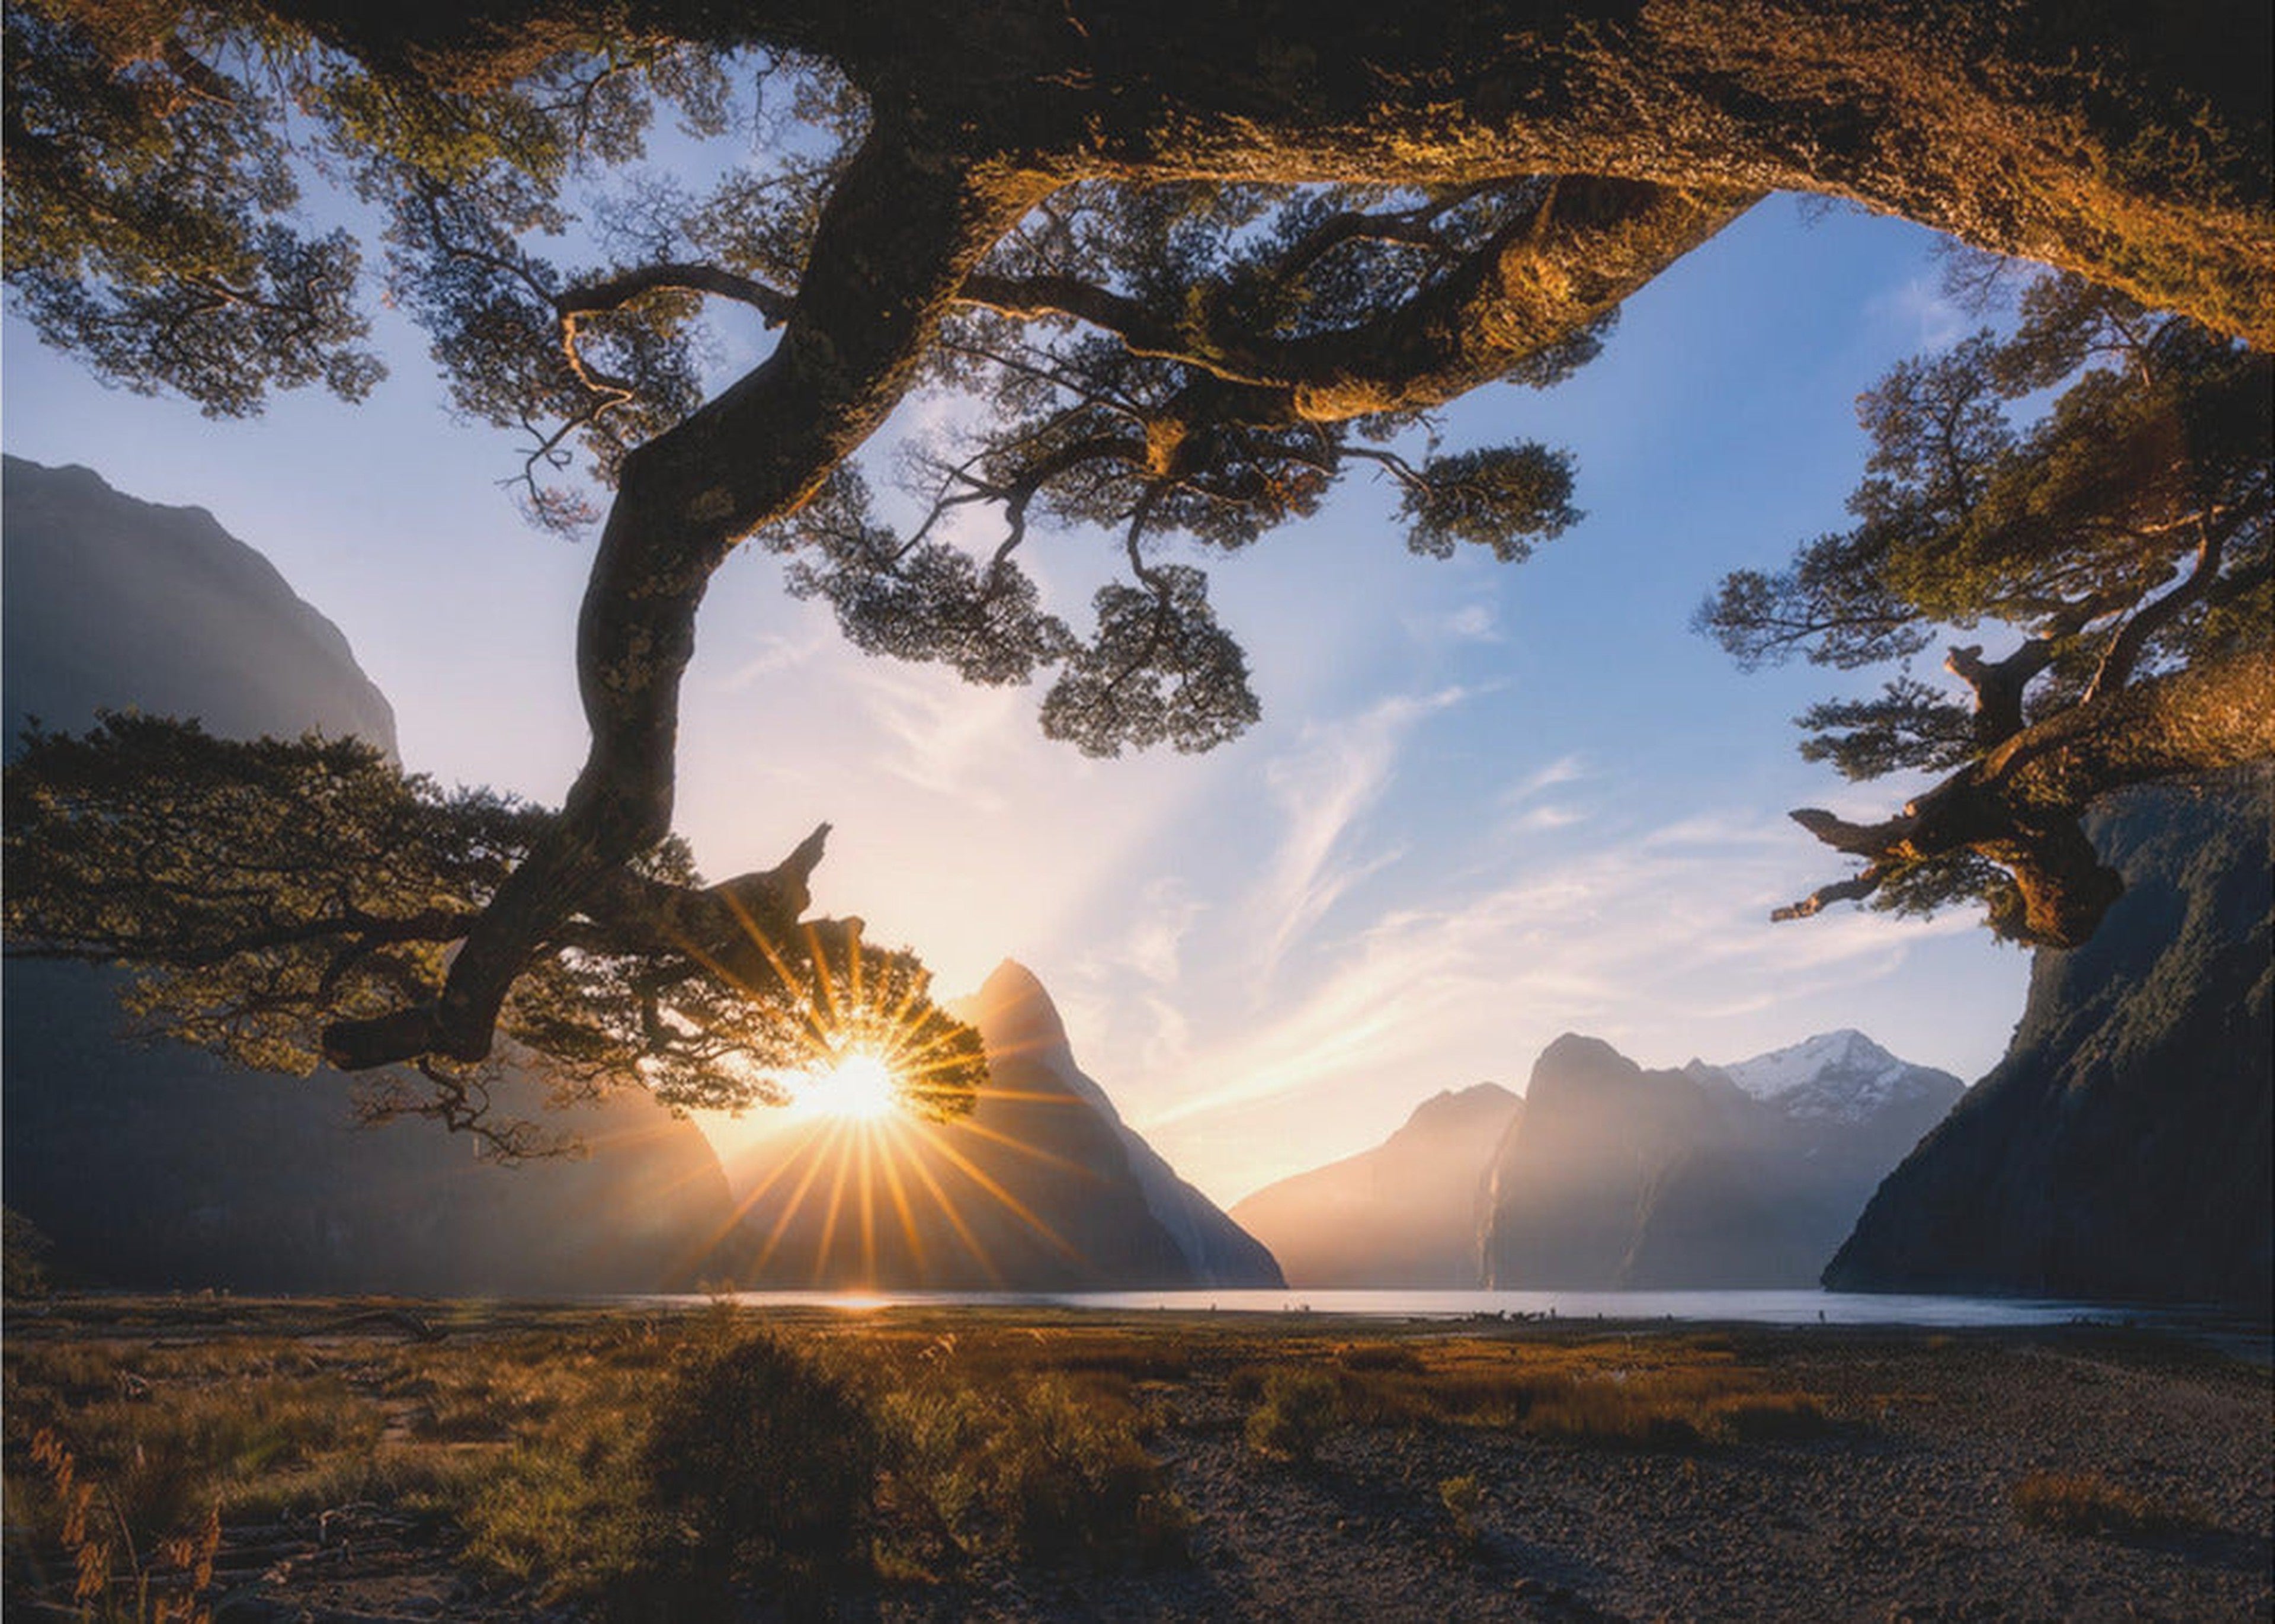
{"x":1009,"y":1202}
{"x":867,"y":1213}
{"x":797,"y":1200}
{"x":891,"y":1148}
{"x":1012,"y":1142}
{"x":840,"y":1164}
{"x":955,"y":1218}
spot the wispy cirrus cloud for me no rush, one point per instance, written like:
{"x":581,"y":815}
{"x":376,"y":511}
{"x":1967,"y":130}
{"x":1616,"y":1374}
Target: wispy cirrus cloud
{"x":1323,"y":789}
{"x":1660,"y":940}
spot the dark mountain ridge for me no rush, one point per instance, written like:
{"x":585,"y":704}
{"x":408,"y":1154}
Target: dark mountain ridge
{"x":2121,"y":1150}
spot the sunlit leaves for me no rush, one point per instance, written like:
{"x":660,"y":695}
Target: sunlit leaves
{"x":2155,"y":449}
{"x":2123,"y":534}
{"x":1230,"y":350}
{"x":261,"y":891}
{"x":144,"y":227}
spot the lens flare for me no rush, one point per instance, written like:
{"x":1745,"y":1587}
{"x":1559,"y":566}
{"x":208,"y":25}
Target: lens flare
{"x":857,"y":1087}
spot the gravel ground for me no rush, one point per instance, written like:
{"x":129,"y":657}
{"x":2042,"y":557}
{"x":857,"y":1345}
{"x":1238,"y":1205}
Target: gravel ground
{"x":1903,"y":1513}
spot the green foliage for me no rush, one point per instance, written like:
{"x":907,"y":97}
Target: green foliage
{"x":1462,"y":1497}
{"x":2122,"y":534}
{"x":261,"y":891}
{"x":1910,"y":724}
{"x":1499,"y":498}
{"x":153,"y":158}
{"x":2153,"y":451}
{"x":147,"y":205}
{"x":1299,"y":1411}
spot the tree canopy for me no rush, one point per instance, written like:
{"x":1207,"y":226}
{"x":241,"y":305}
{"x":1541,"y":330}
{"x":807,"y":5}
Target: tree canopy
{"x":2122,"y":542}
{"x":1190,"y":263}
{"x":264,"y":889}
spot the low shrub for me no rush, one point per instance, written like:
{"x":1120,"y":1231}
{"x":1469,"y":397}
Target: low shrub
{"x":1051,"y":1465}
{"x":1298,"y":1409}
{"x":1462,"y":1497}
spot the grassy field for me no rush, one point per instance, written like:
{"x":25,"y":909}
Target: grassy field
{"x":174,"y":1459}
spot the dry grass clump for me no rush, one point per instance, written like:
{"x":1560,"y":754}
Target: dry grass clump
{"x":1046,"y":1465}
{"x":1296,"y":1411}
{"x":1670,"y":1394}
{"x":2089,"y":1503}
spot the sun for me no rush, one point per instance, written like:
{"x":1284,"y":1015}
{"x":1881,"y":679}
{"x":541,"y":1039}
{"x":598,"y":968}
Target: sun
{"x":857,"y":1086}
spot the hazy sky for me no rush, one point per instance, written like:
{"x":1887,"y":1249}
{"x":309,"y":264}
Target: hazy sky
{"x":1487,"y":803}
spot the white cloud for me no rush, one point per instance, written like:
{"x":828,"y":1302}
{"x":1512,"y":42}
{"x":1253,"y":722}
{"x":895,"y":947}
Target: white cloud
{"x":1563,"y":770}
{"x":1324,"y":790}
{"x":1920,"y":309}
{"x":1661,"y":944}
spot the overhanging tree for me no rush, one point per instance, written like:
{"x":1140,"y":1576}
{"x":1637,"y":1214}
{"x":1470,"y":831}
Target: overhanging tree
{"x":2121,"y":545}
{"x":1195,"y":261}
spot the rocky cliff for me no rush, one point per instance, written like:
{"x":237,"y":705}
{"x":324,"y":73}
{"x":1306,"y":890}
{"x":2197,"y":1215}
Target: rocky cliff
{"x":2121,"y":1149}
{"x":1406,"y":1214}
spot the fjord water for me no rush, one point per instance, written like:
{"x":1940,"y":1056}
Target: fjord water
{"x":1791,"y":1307}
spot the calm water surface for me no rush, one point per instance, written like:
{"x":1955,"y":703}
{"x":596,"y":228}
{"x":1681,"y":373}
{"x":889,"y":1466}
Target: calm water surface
{"x":1755,"y":1307}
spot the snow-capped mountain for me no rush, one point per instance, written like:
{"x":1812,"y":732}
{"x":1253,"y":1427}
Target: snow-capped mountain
{"x":1740,"y":1175}
{"x":1842,"y":1076}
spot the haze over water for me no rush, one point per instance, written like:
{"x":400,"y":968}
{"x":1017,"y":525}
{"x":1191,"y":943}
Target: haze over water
{"x":1694,"y":1307}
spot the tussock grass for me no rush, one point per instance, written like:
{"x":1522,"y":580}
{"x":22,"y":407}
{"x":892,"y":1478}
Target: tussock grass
{"x":2089,"y":1503}
{"x":622,"y":1462}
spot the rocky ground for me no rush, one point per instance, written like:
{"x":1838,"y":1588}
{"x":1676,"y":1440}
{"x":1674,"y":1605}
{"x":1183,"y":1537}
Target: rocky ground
{"x":1899,"y":1502}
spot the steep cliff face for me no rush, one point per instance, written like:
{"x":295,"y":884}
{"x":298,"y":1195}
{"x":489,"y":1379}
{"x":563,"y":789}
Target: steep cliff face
{"x":155,"y":1166}
{"x":1745,"y":1175}
{"x":108,"y":601}
{"x":2121,"y":1149}
{"x":1040,"y":1188}
{"x":1406,"y":1214}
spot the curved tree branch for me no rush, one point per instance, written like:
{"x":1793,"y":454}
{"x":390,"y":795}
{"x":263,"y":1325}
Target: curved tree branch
{"x":2018,"y":806}
{"x":900,"y":233}
{"x":1544,"y":275}
{"x":614,"y":292}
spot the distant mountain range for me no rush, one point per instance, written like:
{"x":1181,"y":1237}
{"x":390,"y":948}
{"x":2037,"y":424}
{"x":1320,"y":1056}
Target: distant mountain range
{"x":1406,"y":1214}
{"x":2122,"y":1148}
{"x":1744,"y":1176}
{"x":1040,"y":1187}
{"x":1606,"y":1175}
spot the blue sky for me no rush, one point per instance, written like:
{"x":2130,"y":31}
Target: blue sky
{"x":1487,"y":803}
